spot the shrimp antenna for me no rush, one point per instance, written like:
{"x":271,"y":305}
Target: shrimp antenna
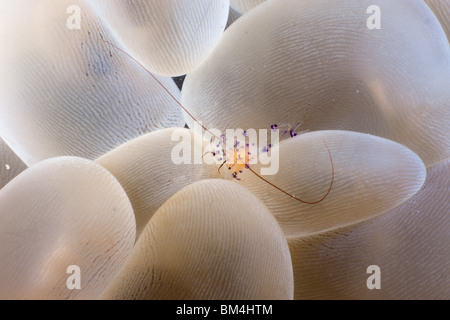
{"x":291,"y":195}
{"x":206,"y":129}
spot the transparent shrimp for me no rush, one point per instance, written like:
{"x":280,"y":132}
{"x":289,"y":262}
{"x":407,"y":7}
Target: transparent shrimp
{"x":240,"y":154}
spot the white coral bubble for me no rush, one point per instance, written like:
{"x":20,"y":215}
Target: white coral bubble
{"x":59,"y":213}
{"x":211,"y":240}
{"x":170,"y":37}
{"x":149,"y":174}
{"x":317,"y":62}
{"x":65,"y":92}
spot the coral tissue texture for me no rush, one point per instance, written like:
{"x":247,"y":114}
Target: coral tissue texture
{"x":106,"y":194}
{"x":441,"y":9}
{"x":212,"y":240}
{"x":363,"y":165}
{"x":65,"y":92}
{"x":318,"y":63}
{"x":410,"y":244}
{"x":144,"y":168}
{"x":245,"y":5}
{"x":170,"y":37}
{"x":62,"y":212}
{"x":10,"y":164}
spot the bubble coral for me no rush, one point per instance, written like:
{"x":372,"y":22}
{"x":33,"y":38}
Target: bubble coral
{"x":378,"y":98}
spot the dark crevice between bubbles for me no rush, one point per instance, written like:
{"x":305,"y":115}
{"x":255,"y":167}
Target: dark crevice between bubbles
{"x":179,"y":82}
